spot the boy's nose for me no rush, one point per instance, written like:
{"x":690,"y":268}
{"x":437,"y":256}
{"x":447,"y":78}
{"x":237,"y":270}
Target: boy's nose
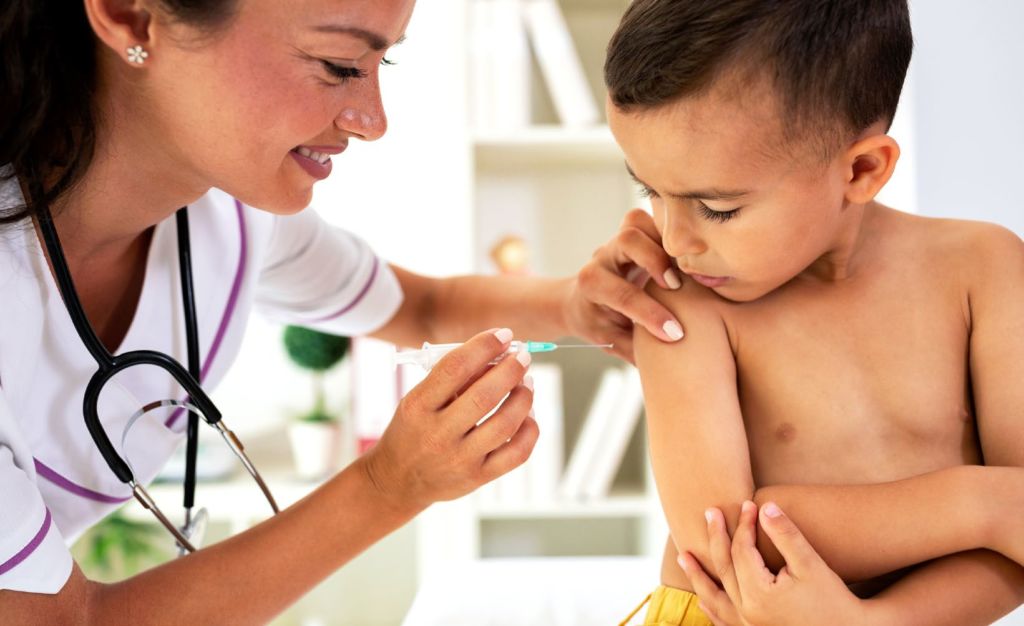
{"x":680,"y":240}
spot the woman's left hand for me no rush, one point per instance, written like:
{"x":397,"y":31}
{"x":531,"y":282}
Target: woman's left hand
{"x":607,"y":295}
{"x":806,"y":592}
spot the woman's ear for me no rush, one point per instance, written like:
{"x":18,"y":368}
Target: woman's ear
{"x":870,"y":163}
{"x":121,"y":25}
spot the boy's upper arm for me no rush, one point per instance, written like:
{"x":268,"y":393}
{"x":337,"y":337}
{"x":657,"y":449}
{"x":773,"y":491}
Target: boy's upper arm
{"x":996,"y":297}
{"x":698,"y":443}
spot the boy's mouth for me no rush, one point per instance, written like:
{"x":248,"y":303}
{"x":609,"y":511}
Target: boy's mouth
{"x":708,"y":281}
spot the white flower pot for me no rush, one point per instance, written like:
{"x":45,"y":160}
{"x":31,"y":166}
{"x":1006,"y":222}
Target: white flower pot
{"x":316,"y":448}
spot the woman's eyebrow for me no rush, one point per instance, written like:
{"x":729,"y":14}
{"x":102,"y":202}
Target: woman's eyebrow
{"x":375,"y":41}
{"x":698,"y":194}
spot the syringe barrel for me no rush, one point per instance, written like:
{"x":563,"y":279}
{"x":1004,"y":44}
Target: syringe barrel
{"x":428,"y":355}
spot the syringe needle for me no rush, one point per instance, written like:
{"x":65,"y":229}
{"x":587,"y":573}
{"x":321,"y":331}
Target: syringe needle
{"x":584,"y":345}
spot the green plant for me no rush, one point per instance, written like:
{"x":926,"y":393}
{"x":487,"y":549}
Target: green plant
{"x":317,"y":352}
{"x":119,"y":547}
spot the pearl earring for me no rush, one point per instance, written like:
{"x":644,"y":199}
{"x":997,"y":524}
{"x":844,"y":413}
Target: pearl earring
{"x":136,"y":54}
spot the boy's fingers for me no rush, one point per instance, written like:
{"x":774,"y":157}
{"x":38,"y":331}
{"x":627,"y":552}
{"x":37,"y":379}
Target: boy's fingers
{"x":709,"y":593}
{"x":457,"y":367}
{"x":751,"y":571}
{"x":800,"y":556}
{"x":721,"y":552}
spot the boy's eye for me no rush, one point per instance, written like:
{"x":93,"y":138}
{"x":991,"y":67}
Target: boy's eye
{"x":716,"y":216}
{"x":647,"y":192}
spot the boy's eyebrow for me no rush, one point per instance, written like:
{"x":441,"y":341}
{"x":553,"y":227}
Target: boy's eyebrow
{"x":375,"y":41}
{"x":700,"y":194}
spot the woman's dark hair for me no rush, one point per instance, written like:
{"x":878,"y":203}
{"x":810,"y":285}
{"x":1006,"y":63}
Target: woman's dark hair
{"x":836,"y":66}
{"x":48,"y":75}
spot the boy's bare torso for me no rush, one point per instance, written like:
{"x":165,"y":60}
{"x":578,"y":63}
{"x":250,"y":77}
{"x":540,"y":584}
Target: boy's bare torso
{"x":866,"y":379}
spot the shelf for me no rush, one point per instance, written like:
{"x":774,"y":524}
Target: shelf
{"x":546,"y":145}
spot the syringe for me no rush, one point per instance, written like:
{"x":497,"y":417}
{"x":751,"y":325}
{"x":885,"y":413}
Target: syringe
{"x":428,"y":356}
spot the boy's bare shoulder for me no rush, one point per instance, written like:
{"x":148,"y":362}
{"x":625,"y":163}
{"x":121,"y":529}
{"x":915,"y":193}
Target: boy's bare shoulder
{"x":972,"y":248}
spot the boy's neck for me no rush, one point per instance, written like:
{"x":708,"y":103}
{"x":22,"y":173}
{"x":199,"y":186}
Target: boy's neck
{"x":850,"y":247}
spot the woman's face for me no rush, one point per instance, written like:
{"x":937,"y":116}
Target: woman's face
{"x":256,"y":109}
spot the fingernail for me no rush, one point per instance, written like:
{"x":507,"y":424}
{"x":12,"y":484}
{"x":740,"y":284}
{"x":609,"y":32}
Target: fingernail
{"x":681,"y":561}
{"x":772,"y":510}
{"x":531,"y":414}
{"x":528,"y":382}
{"x":673,"y":330}
{"x":504,"y":335}
{"x":709,"y":516}
{"x":672,"y":279}
{"x":747,"y":505}
{"x":524,"y":358}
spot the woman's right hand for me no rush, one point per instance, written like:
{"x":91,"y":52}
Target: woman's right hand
{"x":436,"y":448}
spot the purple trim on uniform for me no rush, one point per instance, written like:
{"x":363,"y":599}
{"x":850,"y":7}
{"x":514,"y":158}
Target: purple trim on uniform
{"x":359,"y":297}
{"x":25,"y":552}
{"x":51,"y":475}
{"x":228,"y":311}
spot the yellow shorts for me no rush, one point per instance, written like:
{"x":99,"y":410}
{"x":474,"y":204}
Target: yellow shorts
{"x":671,"y":607}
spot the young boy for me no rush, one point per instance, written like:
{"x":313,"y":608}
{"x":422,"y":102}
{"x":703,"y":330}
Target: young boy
{"x":843,"y":359}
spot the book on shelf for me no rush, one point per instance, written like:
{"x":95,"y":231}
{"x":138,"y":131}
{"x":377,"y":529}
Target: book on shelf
{"x":617,"y":432}
{"x":560,"y":63}
{"x":583,"y":459}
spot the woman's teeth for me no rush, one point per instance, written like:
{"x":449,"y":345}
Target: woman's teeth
{"x":316,"y":156}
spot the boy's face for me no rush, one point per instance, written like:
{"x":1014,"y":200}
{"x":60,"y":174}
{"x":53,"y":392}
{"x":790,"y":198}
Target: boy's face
{"x":739,"y":212}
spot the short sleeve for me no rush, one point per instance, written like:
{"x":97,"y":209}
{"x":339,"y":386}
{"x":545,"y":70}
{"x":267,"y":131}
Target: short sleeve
{"x":33,"y":555}
{"x":324,"y":277}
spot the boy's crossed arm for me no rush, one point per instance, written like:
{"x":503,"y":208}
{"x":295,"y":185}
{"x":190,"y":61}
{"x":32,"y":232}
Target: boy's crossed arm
{"x":701,"y":459}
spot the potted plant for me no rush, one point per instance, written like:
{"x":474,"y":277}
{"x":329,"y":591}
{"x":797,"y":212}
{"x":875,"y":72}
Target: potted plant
{"x":316,"y":435}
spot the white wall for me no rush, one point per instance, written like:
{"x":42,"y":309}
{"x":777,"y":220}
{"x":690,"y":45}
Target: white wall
{"x":968,"y":73}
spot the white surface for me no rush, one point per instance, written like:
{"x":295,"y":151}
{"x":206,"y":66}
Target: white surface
{"x":520,"y":592}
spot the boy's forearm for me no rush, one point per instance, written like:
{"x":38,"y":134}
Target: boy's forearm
{"x":964,"y":589}
{"x":863,"y":531}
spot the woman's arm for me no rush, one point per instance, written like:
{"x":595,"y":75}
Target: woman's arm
{"x":433,"y":449}
{"x":598,"y":304}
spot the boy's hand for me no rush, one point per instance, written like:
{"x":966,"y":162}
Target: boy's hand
{"x":607,"y":295}
{"x":804,"y":592}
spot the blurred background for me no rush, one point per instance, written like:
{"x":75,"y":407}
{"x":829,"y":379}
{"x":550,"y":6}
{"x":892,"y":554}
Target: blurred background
{"x":498,"y":159}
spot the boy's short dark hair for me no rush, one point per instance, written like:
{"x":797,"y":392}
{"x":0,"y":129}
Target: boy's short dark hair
{"x":836,"y":66}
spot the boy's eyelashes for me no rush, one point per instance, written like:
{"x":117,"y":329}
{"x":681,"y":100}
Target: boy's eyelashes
{"x":706,"y":212}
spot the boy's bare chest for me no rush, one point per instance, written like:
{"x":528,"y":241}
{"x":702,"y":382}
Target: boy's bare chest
{"x":868,"y":385}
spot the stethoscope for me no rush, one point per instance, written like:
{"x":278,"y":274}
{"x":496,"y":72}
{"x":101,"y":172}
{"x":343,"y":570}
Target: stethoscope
{"x":197,"y":405}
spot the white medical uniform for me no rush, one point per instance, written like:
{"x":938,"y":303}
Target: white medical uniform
{"x":53,"y":482}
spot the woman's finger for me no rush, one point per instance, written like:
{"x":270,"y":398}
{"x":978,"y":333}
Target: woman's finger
{"x":640,"y":242}
{"x":720,"y":546}
{"x":485,"y":394}
{"x":801,"y":557}
{"x":499,"y":428}
{"x":449,"y":376}
{"x":513,"y":453}
{"x":751,"y":572}
{"x":607,"y":288}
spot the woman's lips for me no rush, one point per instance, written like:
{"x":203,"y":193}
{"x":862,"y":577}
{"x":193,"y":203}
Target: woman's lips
{"x":316,"y":160}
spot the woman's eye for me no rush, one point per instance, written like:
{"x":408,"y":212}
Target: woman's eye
{"x":342,"y":72}
{"x":716,"y":216}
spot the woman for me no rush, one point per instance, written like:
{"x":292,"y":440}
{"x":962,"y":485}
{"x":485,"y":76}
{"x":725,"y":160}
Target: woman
{"x":115,"y":114}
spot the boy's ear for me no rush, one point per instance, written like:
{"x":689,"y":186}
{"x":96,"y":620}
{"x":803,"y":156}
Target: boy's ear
{"x":120,"y":24}
{"x":870,"y":163}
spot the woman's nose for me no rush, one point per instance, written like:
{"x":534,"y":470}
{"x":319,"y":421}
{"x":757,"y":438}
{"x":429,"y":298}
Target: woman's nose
{"x":364,"y":116}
